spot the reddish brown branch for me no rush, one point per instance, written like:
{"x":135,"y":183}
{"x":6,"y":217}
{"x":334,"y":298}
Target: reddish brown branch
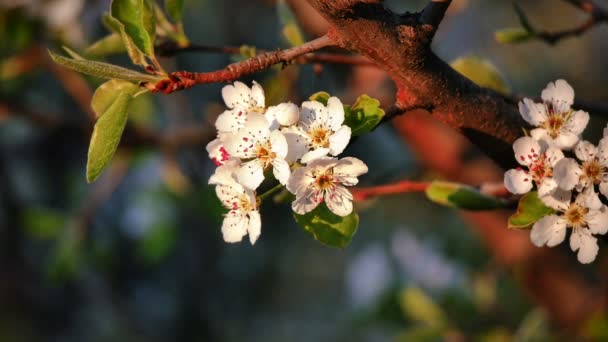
{"x":184,"y":79}
{"x":404,"y":186}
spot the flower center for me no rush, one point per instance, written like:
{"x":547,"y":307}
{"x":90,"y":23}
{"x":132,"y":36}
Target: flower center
{"x":265,"y":154}
{"x":541,"y":169}
{"x":244,"y":203}
{"x":259,"y":110}
{"x":575,"y":215}
{"x":319,"y":137}
{"x":593,"y":171}
{"x":325,"y":181}
{"x":554,"y":124}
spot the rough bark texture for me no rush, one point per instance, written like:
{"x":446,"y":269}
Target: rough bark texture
{"x":400,"y":44}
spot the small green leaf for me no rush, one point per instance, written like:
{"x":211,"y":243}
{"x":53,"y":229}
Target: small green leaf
{"x":291,"y":31}
{"x":136,"y":55}
{"x":529,"y":210}
{"x":102,"y":70}
{"x":321,"y":96}
{"x":175,"y":9}
{"x":110,"y":103}
{"x":363,"y":116}
{"x":482,"y":72}
{"x":109,"y":45}
{"x":461,"y":196}
{"x":327,"y":227}
{"x":512,"y":35}
{"x":73,"y":53}
{"x":419,"y":307}
{"x":137,"y":16}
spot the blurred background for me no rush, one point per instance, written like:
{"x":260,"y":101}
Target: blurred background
{"x":139,"y":256}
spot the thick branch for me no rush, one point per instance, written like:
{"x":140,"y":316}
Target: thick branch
{"x":400,"y":44}
{"x":183,"y":79}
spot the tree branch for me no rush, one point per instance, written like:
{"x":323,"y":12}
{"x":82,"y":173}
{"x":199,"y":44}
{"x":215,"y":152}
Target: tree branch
{"x":434,"y":12}
{"x":184,"y":79}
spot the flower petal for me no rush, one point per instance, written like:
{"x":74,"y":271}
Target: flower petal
{"x":254,"y":227}
{"x":604,"y":188}
{"x":348,"y":169}
{"x":517,"y":181}
{"x":234,"y":227}
{"x":278,"y":143}
{"x":560,"y":94}
{"x":534,"y":113}
{"x":597,"y":220}
{"x":217,"y":152}
{"x":284,"y":114}
{"x":311,"y":112}
{"x":558,"y":200}
{"x":553,"y":155}
{"x":527,"y":150}
{"x":335,"y":113}
{"x":281,"y":170}
{"x":589,"y":199}
{"x":567,"y":173}
{"x":231,"y":120}
{"x":582,"y":240}
{"x":549,"y":230}
{"x":305,"y":202}
{"x":565,"y":140}
{"x":251,"y":174}
{"x":602,"y":151}
{"x":314,"y":154}
{"x":297,"y":143}
{"x":577,"y":122}
{"x":300,"y":180}
{"x":257,"y":99}
{"x":547,"y":186}
{"x":339,"y":201}
{"x":339,"y":140}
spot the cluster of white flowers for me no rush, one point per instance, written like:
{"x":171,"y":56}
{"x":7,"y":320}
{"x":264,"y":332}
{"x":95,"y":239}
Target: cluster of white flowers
{"x":566,"y":184}
{"x":253,"y":138}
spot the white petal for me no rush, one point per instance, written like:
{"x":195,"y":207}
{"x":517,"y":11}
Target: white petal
{"x":577,"y":122}
{"x":224,"y":174}
{"x":241,"y":144}
{"x":542,"y":136}
{"x":281,"y":170}
{"x":306,"y":202}
{"x":553,"y":155}
{"x":567,"y":173}
{"x":278,"y":143}
{"x":314,"y":154}
{"x":231,"y":120}
{"x":589,"y":199}
{"x":350,"y":166}
{"x":517,"y":181}
{"x":339,"y":140}
{"x":558,"y":200}
{"x":597,"y":220}
{"x":335,"y":113}
{"x":546,"y":187}
{"x":339,"y":201}
{"x":604,"y":188}
{"x":527,"y":150}
{"x":285,"y":114}
{"x":549,"y":230}
{"x":534,"y":113}
{"x":234,"y":227}
{"x":582,"y":240}
{"x":565,"y":140}
{"x":257,"y":95}
{"x":300,"y":180}
{"x":255,"y":226}
{"x":311,"y":112}
{"x":217,"y":152}
{"x":560,"y":94}
{"x":602,"y":151}
{"x":251,"y":174}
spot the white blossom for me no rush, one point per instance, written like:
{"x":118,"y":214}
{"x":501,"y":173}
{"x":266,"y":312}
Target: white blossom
{"x":243,"y":217}
{"x":324,"y":179}
{"x":538,"y":163}
{"x":320,"y":131}
{"x":261,"y":148}
{"x":592,"y":170}
{"x":556,"y":122}
{"x":217,"y":152}
{"x":584,"y":222}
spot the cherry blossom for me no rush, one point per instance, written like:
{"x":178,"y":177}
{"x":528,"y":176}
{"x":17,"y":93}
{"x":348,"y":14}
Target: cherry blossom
{"x":243,"y":217}
{"x":538,"y":163}
{"x":325,"y":180}
{"x":261,"y":148}
{"x":584,"y":222}
{"x":556,"y":122}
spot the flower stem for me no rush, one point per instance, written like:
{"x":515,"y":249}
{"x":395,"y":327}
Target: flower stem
{"x":271,"y":191}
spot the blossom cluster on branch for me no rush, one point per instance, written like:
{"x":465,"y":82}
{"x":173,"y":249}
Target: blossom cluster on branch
{"x":566,"y":170}
{"x":298,"y":143}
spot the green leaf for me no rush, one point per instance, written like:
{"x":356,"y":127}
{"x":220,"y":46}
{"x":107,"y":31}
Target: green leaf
{"x":42,"y":223}
{"x":327,"y":227}
{"x":363,"y":116}
{"x":461,"y":196}
{"x":111,"y":44}
{"x":110,"y":103}
{"x":321,"y":96}
{"x":529,"y":210}
{"x":417,"y":306}
{"x":137,"y":16}
{"x":136,"y":55}
{"x":482,"y":72}
{"x":175,"y":9}
{"x":102,"y":70}
{"x":512,"y":35}
{"x":291,"y":31}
